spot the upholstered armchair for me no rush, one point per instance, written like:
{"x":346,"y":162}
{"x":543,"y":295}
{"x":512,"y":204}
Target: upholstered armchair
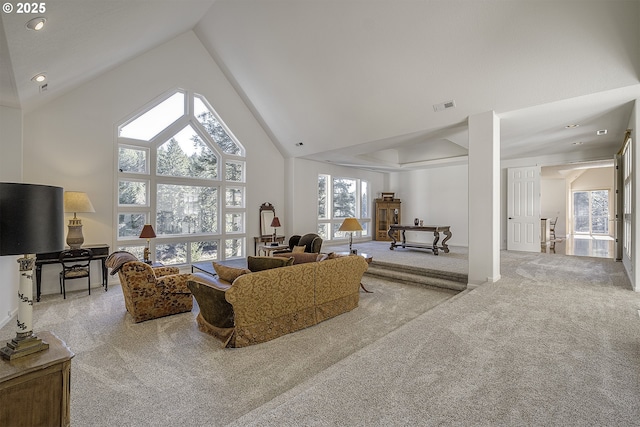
{"x":311,"y":242}
{"x":150,"y":293}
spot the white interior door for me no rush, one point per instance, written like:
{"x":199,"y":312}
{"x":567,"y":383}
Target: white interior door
{"x":523,"y":209}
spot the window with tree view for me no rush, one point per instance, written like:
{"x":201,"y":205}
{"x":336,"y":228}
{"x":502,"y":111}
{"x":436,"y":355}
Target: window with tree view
{"x":340,"y":198}
{"x":183,"y":173}
{"x":591,"y":212}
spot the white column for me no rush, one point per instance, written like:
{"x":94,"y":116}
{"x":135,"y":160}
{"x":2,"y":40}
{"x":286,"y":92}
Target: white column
{"x":484,"y":199}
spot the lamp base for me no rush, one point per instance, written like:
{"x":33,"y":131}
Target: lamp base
{"x":20,"y":347}
{"x":75,"y":239}
{"x":147,"y":256}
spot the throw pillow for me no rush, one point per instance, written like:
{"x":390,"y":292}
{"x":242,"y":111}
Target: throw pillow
{"x":229,"y":274}
{"x":259,"y":263}
{"x":117,"y":259}
{"x":298,"y":249}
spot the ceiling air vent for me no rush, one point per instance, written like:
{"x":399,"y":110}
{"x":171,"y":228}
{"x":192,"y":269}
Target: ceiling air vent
{"x":444,"y":106}
{"x":44,"y":87}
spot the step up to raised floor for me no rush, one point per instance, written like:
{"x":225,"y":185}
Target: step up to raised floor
{"x":418,"y":275}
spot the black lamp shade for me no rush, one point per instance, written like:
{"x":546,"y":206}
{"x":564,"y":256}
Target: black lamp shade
{"x":31,"y":218}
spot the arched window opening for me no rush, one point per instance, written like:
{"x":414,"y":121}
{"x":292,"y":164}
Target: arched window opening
{"x":175,"y":163}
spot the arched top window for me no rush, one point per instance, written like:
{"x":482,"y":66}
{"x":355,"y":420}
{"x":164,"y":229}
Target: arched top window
{"x":181,"y":170}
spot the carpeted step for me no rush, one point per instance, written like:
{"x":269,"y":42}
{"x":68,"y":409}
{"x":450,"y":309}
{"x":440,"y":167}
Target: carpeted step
{"x":418,"y":275}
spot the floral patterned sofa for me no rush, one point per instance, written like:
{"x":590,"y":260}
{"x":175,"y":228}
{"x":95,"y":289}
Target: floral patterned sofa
{"x":148,"y":292}
{"x":259,"y":306}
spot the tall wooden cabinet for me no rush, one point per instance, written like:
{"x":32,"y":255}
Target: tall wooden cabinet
{"x":387,"y":212}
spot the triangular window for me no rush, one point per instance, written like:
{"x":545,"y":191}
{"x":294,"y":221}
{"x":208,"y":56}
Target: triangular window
{"x":214,"y":128}
{"x":155,"y":120}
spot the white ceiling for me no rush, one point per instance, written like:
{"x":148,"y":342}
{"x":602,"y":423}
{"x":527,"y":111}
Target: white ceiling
{"x":356,"y":81}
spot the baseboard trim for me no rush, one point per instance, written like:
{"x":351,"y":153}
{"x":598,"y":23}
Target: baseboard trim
{"x":472,"y":286}
{"x":10,"y":315}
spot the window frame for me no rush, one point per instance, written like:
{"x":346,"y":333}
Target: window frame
{"x":627,"y":209}
{"x":153,"y":181}
{"x":327,"y":227}
{"x":590,"y":216}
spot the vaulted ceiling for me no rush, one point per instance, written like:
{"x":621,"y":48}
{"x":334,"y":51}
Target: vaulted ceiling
{"x":358,"y":82}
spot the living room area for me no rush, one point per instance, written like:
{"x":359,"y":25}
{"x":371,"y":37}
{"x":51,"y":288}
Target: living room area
{"x":523,"y":338}
{"x":409,"y":354}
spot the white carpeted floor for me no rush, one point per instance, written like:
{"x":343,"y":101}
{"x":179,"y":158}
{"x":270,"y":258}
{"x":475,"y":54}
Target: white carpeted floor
{"x":555,"y":342}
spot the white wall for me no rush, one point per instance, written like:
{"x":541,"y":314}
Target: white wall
{"x":70,"y":141}
{"x":438,"y":196}
{"x":10,"y":171}
{"x":302,"y":190}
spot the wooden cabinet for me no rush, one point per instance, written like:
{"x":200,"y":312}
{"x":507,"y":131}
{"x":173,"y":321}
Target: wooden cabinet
{"x":387,"y":212}
{"x":35,"y":389}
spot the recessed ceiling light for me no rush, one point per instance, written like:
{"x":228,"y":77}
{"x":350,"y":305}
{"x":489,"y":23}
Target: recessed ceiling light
{"x":601,"y":132}
{"x":36,"y":24}
{"x":577,"y":143}
{"x":571,"y":126}
{"x":39,"y":78}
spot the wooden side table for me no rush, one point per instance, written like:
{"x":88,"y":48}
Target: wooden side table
{"x":265,"y":239}
{"x":35,"y":389}
{"x":268,"y":249}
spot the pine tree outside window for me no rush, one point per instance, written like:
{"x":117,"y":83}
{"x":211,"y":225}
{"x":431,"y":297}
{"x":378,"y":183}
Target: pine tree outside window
{"x":340,"y":198}
{"x":181,"y":170}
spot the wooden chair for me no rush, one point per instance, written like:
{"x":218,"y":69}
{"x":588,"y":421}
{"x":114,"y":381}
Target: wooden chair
{"x":552,"y":228}
{"x":76,"y":264}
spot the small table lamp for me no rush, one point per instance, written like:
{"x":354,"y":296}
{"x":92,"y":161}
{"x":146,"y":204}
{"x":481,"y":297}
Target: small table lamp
{"x":350,"y":225}
{"x":147,"y":233}
{"x":31,"y":222}
{"x":76,"y":201}
{"x":275,"y":223}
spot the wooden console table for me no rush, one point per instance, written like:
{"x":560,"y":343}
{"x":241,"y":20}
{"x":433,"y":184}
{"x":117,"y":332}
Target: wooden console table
{"x":100,"y":252}
{"x":435,"y":229}
{"x":35,"y":389}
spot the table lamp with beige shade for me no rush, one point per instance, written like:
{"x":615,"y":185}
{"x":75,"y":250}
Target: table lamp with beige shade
{"x":350,"y":225}
{"x":76,"y":202}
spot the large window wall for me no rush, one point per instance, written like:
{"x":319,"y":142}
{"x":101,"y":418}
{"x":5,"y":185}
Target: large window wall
{"x":181,"y":170}
{"x":340,"y":198}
